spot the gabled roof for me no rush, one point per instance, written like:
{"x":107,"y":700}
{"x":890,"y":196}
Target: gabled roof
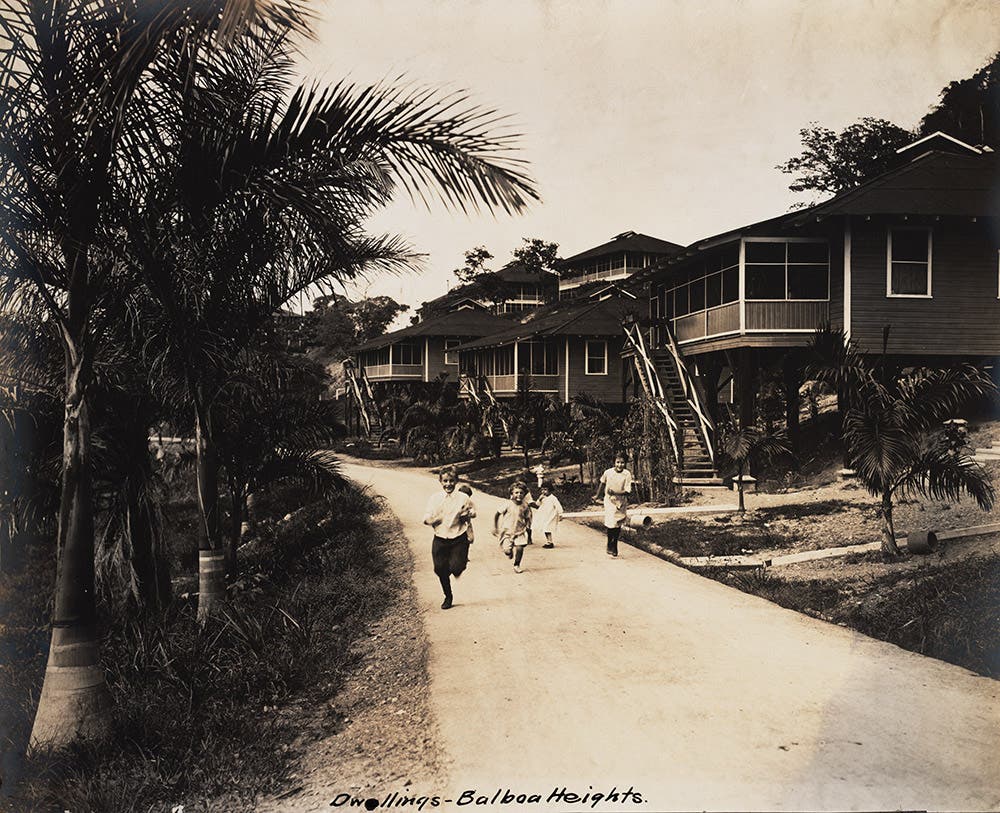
{"x":939,"y":141}
{"x":460,"y":323}
{"x":567,"y":318}
{"x":626,"y":241}
{"x":934,"y":183}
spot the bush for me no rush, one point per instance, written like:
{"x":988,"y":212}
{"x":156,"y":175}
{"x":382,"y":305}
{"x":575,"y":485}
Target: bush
{"x":196,"y":710}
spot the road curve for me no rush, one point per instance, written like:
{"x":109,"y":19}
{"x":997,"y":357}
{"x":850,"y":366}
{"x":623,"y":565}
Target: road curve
{"x":591,"y":675}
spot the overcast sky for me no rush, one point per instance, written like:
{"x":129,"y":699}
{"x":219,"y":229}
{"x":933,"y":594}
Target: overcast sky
{"x":666,"y":117}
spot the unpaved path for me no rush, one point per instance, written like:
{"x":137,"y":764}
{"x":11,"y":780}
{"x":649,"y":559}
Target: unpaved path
{"x":594,"y":674}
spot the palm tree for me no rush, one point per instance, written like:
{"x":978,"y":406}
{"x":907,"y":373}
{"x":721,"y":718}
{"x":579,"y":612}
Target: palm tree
{"x":267,"y":195}
{"x":898,"y":444}
{"x":70,"y":73}
{"x":739,"y":446}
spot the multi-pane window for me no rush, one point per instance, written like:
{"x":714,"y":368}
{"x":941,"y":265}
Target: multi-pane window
{"x":374,"y":358}
{"x":597,"y":358}
{"x":538,"y":357}
{"x":407,"y":353}
{"x":787,"y":270}
{"x":909,"y":262}
{"x":449,"y":357}
{"x":714,"y":282}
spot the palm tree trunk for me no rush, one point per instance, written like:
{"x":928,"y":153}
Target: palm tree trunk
{"x":211,"y":556}
{"x":74,"y":700}
{"x":152,"y":574}
{"x":739,"y":490}
{"x":889,"y":546}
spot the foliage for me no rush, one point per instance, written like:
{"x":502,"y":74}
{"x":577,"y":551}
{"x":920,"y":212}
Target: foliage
{"x":740,"y":446}
{"x":894,"y":427}
{"x":475,"y":264}
{"x":320,"y":580}
{"x":537,"y":256}
{"x":969,"y":109}
{"x":337,"y":324}
{"x":832,"y":162}
{"x":644,"y":434}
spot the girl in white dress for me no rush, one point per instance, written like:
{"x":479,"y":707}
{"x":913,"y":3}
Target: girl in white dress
{"x":615,"y":486}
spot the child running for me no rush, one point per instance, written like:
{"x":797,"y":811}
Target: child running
{"x":547,"y":514}
{"x":470,"y":534}
{"x":511,"y":524}
{"x":616,"y":485}
{"x":449,"y":512}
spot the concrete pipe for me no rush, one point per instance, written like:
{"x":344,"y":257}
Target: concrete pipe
{"x":922,"y":542}
{"x":639,"y":520}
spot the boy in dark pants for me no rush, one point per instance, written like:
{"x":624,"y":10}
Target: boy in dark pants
{"x":449,"y":512}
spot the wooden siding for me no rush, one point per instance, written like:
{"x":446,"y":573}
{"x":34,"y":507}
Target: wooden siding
{"x":785,"y":315}
{"x":606,"y":388}
{"x":962,"y":317}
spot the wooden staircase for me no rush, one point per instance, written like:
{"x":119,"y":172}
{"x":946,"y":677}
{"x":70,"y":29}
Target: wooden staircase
{"x":478,"y":390}
{"x":360,"y":389}
{"x":665,"y":378}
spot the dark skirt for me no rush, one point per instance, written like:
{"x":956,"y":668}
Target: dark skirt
{"x":450,"y":555}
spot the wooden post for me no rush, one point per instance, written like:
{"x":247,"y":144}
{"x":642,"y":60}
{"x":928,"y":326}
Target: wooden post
{"x":746,"y":374}
{"x":792,"y":380}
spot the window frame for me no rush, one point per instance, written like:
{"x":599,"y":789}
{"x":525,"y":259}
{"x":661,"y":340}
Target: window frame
{"x":586,"y":356}
{"x":454,"y":343}
{"x":787,"y":241}
{"x":888,"y":262}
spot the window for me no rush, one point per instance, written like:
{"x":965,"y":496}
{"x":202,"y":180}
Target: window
{"x":787,"y":269}
{"x":538,"y":357}
{"x":597,"y":358}
{"x":449,"y":357}
{"x":407,"y":353}
{"x":503,"y":360}
{"x":909,"y":262}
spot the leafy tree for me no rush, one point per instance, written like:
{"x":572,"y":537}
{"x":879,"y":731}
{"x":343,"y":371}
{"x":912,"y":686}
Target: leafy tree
{"x":969,"y":109}
{"x":537,"y":256}
{"x":475,"y":264}
{"x":338,"y":323}
{"x":832,"y":162}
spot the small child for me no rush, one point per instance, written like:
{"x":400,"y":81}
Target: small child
{"x":511,"y":524}
{"x":466,"y":489}
{"x":449,"y":512}
{"x":615,"y":486}
{"x":548,"y":512}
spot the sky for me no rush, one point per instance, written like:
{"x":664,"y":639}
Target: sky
{"x":667,"y":118}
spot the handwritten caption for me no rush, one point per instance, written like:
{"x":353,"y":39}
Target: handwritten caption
{"x":502,"y":796}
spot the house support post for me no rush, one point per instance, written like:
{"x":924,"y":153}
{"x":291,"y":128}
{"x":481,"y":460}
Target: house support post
{"x":791,"y":373}
{"x":746,"y":378}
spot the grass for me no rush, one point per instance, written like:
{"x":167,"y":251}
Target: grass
{"x":198,"y":712}
{"x":690,"y":537}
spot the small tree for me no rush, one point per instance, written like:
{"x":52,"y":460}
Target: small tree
{"x":898,"y":445}
{"x":740,"y":446}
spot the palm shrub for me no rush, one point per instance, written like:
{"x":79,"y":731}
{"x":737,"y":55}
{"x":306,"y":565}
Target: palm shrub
{"x":893,"y":424}
{"x":739,"y":446}
{"x":899,"y":446}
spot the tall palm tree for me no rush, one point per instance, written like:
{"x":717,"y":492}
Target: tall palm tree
{"x":69,"y":76}
{"x":266,"y":194}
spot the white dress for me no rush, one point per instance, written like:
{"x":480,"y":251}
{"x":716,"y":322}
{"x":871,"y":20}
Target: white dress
{"x":615,"y":505}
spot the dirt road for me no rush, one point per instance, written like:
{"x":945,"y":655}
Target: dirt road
{"x":602,"y":676}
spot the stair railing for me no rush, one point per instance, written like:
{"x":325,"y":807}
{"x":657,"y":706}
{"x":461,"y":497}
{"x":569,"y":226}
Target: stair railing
{"x":356,"y":391}
{"x":651,"y":382}
{"x":491,"y":399}
{"x":692,"y":393}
